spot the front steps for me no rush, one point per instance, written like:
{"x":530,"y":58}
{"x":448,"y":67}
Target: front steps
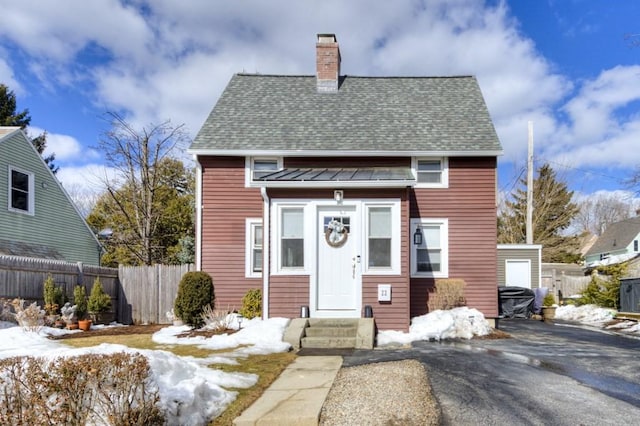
{"x":331,"y":333}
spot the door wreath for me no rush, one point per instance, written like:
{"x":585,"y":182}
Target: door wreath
{"x":336,"y":234}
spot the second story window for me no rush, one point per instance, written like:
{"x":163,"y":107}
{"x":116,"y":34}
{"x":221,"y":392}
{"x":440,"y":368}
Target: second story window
{"x":431,"y":172}
{"x":264,"y":166}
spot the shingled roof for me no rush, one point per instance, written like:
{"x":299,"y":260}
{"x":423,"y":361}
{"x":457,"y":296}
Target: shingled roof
{"x":616,"y":237}
{"x":262,"y":114}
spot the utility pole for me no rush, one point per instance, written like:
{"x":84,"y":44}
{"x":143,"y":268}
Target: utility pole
{"x":530,"y":186}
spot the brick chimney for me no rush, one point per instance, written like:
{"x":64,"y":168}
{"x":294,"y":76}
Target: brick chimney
{"x":327,"y":63}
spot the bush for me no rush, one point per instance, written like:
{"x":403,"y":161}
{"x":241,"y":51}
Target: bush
{"x":80,"y":300}
{"x":53,"y":296}
{"x":252,"y":304}
{"x":110,"y":389}
{"x":99,"y":301}
{"x":604,"y":291}
{"x":448,"y":294}
{"x":548,"y":300}
{"x":195,"y":291}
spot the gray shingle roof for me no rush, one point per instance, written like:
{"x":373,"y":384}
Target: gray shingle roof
{"x":617,"y":236}
{"x":367,"y":114}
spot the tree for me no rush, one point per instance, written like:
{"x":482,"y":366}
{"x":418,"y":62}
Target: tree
{"x":553,"y":212}
{"x":602,"y":209}
{"x":10,"y":117}
{"x":149,"y":206}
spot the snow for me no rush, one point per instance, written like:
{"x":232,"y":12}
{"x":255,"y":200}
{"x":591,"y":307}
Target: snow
{"x":191,"y":393}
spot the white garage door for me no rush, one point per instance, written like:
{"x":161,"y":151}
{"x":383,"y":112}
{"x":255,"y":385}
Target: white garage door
{"x":518,"y":272}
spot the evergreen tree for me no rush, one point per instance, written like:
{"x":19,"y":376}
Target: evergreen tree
{"x":10,"y":117}
{"x":553,"y":212}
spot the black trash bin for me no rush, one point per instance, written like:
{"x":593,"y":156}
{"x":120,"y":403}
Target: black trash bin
{"x":515,"y":302}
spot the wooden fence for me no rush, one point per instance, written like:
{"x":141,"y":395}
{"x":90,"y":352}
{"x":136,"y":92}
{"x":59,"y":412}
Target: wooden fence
{"x":148,"y":292}
{"x":139,"y":295}
{"x":568,"y":285}
{"x":23,"y":278}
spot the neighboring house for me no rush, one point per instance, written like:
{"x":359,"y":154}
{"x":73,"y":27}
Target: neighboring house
{"x":335,"y":193}
{"x":618,"y":243}
{"x":520,"y":265}
{"x":38,"y":219}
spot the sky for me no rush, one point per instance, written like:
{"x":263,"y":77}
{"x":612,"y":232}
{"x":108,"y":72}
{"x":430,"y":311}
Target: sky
{"x":192,"y":393}
{"x":567,"y":66}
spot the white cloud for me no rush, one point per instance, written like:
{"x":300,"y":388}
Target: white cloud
{"x":68,"y":150}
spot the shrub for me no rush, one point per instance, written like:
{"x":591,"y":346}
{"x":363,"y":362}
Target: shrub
{"x":195,"y":291}
{"x":548,"y":300}
{"x":604,"y":291}
{"x":87,"y":389}
{"x":99,"y":301}
{"x":30,"y":318}
{"x":53,"y":296}
{"x":80,"y":300}
{"x":215,"y":319}
{"x":448,"y":294}
{"x":252,"y":304}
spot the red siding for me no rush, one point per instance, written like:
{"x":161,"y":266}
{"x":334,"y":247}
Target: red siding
{"x":225,"y":205}
{"x":470,"y":205}
{"x":287,"y":294}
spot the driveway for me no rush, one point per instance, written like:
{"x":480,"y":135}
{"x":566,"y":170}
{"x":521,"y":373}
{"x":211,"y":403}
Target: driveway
{"x":546,"y":374}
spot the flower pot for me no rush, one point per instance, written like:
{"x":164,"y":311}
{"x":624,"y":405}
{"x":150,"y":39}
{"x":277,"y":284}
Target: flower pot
{"x":84,"y":325}
{"x":548,"y":312}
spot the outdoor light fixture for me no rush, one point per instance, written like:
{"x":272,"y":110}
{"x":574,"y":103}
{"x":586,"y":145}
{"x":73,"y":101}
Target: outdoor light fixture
{"x":417,"y":237}
{"x":338,"y":195}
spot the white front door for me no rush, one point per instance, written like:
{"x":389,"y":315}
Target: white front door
{"x":517,"y":273}
{"x":338,"y":272}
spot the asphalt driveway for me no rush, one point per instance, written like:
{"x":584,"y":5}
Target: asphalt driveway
{"x":546,"y":374}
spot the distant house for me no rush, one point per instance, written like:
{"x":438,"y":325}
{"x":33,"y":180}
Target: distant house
{"x":37,"y":217}
{"x":618,"y":243}
{"x":347,"y":196}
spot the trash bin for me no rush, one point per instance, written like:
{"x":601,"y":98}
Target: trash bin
{"x":515,"y":302}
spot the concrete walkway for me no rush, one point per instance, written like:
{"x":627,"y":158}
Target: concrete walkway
{"x":297,"y":396}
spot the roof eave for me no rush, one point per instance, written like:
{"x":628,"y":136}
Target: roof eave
{"x":334,"y":153}
{"x":335,"y":184}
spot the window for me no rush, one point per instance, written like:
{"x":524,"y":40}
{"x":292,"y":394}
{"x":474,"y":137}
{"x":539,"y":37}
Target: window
{"x":382,"y":238}
{"x":429,"y":258}
{"x":635,"y":245}
{"x":21,"y":192}
{"x":431,"y":172}
{"x":253,"y":246}
{"x":291,"y":238}
{"x":264,"y":166}
{"x":379,"y":238}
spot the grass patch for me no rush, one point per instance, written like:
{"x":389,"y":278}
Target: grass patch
{"x":267,"y":367}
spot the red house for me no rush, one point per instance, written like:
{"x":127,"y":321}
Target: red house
{"x":348,"y":196}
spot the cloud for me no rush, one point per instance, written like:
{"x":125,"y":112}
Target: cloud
{"x":66,"y":148}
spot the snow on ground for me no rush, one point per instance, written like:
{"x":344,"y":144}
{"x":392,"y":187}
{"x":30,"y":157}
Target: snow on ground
{"x":454,"y":323}
{"x":191,"y":393}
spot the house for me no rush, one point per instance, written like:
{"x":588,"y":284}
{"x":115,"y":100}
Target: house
{"x":38,"y":219}
{"x":618,"y":243}
{"x":344,"y":196}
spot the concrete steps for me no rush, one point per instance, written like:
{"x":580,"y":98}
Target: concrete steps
{"x":331,"y":333}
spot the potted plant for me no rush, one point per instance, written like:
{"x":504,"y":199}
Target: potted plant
{"x":99,"y":301}
{"x":53,"y":297}
{"x":548,"y":307}
{"x":80,"y":301}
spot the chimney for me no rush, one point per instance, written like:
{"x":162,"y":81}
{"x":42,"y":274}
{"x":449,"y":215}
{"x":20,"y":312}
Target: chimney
{"x":327,"y":63}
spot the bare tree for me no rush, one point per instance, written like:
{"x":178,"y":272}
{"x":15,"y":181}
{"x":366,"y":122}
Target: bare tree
{"x":138,"y":156}
{"x":602,"y":209}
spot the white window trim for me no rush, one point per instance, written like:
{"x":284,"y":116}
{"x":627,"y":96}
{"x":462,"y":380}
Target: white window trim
{"x":276,"y":243}
{"x":248,"y":168}
{"x":31,"y":191}
{"x":444,"y":183}
{"x":444,"y":235}
{"x":395,"y":268}
{"x":250,"y":226}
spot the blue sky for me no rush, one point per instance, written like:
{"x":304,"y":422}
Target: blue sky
{"x":563,"y":64}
